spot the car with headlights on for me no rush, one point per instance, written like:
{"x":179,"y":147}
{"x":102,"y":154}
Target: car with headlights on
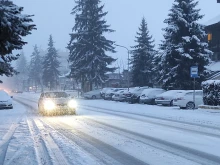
{"x":5,"y":100}
{"x":56,"y":103}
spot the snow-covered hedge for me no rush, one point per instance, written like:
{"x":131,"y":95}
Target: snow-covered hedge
{"x":211,"y":92}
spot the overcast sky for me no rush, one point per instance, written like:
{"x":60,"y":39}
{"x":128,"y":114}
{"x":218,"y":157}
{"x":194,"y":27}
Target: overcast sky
{"x":124,"y":16}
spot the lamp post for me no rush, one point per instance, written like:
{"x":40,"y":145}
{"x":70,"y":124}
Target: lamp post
{"x":128,"y":63}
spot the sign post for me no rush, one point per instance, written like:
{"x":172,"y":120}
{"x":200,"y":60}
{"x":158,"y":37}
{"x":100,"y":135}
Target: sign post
{"x":194,"y":75}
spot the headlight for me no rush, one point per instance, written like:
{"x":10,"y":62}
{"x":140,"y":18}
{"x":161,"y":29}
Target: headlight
{"x":49,"y":105}
{"x":72,"y":104}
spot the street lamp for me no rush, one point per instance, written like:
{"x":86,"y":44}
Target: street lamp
{"x":128,"y":62}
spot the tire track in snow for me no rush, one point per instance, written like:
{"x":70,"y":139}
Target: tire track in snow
{"x":178,"y":150}
{"x":58,"y":157}
{"x":42,"y":155}
{"x":188,"y":153}
{"x":75,"y":135}
{"x":113,"y":112}
{"x":5,"y":142}
{"x":195,"y":129}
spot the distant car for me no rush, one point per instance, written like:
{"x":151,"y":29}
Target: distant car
{"x":167,"y":97}
{"x":95,"y":94}
{"x":5,"y":100}
{"x":148,"y":96}
{"x":103,"y":91}
{"x":185,"y":99}
{"x":56,"y":103}
{"x":119,"y":95}
{"x":17,"y":91}
{"x":109,"y":93}
{"x":134,"y":96}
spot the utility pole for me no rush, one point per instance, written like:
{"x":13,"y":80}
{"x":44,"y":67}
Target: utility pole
{"x":128,"y":82}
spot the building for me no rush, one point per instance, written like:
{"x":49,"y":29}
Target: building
{"x":213,"y":38}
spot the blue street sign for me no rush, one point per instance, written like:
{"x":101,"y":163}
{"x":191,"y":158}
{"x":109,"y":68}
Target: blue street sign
{"x":194,"y":71}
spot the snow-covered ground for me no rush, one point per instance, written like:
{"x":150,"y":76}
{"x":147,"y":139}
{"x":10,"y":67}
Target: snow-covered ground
{"x":107,"y":132}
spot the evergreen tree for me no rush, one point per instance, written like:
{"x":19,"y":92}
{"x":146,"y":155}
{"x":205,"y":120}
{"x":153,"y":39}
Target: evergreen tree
{"x":13,"y":27}
{"x":35,"y":68}
{"x":21,"y":64}
{"x":142,"y":57}
{"x":22,"y":68}
{"x":183,"y":46}
{"x":50,"y":66}
{"x":88,"y":45}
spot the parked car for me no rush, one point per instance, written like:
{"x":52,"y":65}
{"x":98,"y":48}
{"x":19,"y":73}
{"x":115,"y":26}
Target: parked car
{"x":185,"y":99}
{"x":167,"y":97}
{"x":148,"y":96}
{"x":109,"y":93}
{"x":134,"y":97}
{"x":95,"y":94}
{"x":56,"y":103}
{"x":119,"y":95}
{"x":5,"y":100}
{"x":103,"y":91}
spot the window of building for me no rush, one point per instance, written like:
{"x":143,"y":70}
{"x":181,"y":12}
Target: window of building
{"x":209,"y":36}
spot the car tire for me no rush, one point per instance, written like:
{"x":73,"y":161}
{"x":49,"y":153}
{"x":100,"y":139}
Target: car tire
{"x":190,"y":105}
{"x":93,"y":97}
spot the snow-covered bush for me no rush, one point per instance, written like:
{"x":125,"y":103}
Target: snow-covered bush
{"x":211,"y":92}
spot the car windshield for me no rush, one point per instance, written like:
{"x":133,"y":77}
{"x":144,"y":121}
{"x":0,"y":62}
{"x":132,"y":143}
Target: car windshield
{"x":56,"y":95}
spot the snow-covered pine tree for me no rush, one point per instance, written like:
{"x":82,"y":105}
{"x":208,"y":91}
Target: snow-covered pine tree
{"x":22,"y":68}
{"x":14,"y":26}
{"x":88,"y":44}
{"x":35,"y":68}
{"x":50,"y":66}
{"x":21,"y":64}
{"x":142,"y":57}
{"x":184,"y":46}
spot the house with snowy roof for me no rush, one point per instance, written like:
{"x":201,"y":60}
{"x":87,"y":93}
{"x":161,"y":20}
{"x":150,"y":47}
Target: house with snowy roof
{"x":213,"y":31}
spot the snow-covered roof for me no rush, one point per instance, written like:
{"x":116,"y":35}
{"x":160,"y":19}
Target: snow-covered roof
{"x":215,"y":66}
{"x":213,"y":21}
{"x":211,"y":82}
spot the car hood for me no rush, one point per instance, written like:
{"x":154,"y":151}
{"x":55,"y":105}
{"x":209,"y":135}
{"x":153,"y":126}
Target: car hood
{"x":4,"y":99}
{"x":59,"y":100}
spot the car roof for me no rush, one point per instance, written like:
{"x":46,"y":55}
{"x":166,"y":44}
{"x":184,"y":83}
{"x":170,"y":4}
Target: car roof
{"x":152,"y":89}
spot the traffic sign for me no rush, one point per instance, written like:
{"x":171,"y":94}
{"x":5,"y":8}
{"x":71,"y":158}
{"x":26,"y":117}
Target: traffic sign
{"x":194,"y":71}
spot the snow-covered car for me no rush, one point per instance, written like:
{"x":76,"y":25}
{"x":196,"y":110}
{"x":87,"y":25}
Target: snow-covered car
{"x":95,"y":94}
{"x":56,"y":103}
{"x":103,"y":91}
{"x":134,"y":97}
{"x":109,"y":93}
{"x":185,"y":99}
{"x":119,"y":95}
{"x":148,"y":95}
{"x":167,"y":97}
{"x":5,"y":100}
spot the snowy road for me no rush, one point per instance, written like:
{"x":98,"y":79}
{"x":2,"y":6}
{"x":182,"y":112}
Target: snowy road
{"x":105,"y":132}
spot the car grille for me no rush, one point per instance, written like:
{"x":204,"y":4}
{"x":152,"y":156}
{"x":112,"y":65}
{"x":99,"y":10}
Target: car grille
{"x":61,"y":105}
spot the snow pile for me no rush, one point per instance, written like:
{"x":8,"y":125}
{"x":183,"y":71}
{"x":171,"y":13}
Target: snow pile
{"x":211,"y":92}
